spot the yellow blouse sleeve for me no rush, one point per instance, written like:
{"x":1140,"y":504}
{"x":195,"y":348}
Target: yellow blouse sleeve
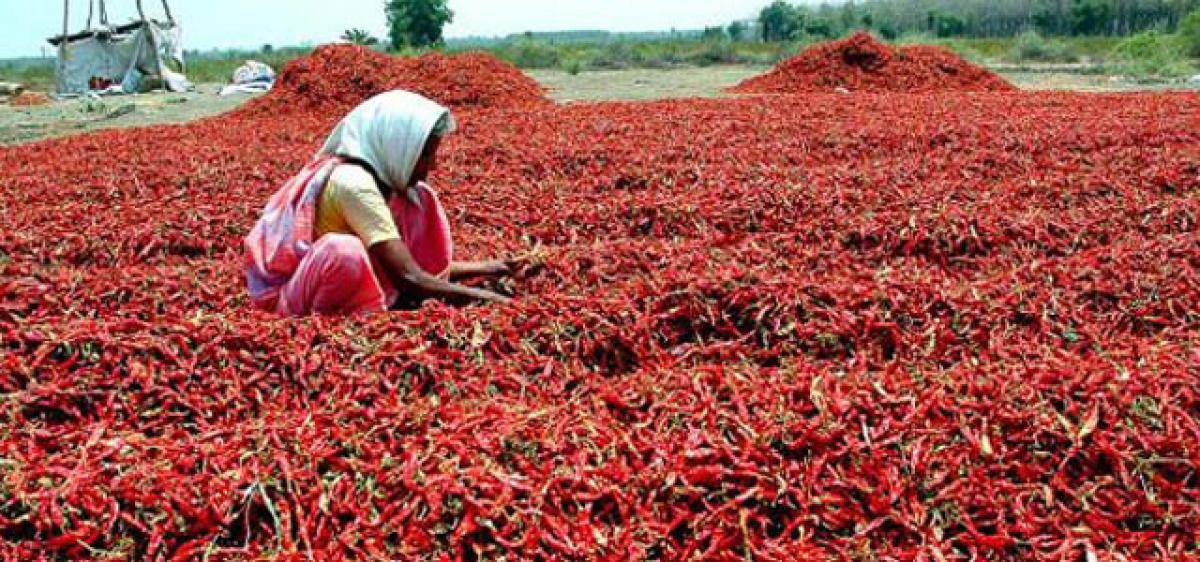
{"x":362,"y":206}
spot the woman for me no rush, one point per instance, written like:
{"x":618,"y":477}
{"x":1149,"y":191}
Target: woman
{"x":358,"y":228}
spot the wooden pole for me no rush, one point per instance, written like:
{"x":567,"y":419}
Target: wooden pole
{"x":103,"y":13}
{"x":167,"y":9}
{"x":62,"y":46}
{"x":66,"y":23}
{"x":91,"y":8}
{"x":141,"y":12}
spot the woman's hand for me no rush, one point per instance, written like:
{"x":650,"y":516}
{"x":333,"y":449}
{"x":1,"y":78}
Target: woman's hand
{"x":406,"y":275}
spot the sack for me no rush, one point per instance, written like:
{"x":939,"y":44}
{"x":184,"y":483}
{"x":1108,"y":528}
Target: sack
{"x":253,"y":72}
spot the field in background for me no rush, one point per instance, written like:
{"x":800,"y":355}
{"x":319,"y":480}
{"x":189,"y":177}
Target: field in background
{"x":1092,"y":55}
{"x":665,"y":54}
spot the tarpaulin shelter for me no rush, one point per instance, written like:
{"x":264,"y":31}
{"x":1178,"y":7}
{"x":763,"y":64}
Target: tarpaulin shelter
{"x":128,"y":56}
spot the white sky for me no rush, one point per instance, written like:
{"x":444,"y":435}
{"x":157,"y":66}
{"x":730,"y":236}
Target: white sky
{"x":25,"y":24}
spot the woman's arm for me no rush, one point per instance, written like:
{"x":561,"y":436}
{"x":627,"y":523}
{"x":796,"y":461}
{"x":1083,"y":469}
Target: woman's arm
{"x":465,"y":269}
{"x":404,"y":272}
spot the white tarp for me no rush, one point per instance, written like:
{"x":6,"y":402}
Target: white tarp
{"x":123,"y":58}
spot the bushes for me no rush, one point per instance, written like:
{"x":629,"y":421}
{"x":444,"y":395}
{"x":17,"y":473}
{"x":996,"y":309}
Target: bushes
{"x":1189,"y":33}
{"x":717,"y":52}
{"x":614,"y":55}
{"x":1032,"y":47}
{"x":530,"y":53}
{"x":36,"y":76}
{"x":1151,"y":53}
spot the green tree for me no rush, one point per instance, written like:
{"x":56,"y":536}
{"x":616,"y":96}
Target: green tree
{"x":1047,"y":22}
{"x":359,"y":37}
{"x":949,"y":26}
{"x":417,"y":23}
{"x":1090,"y":17}
{"x":736,"y":31}
{"x":781,"y":21}
{"x":1189,"y":33}
{"x":791,"y":19}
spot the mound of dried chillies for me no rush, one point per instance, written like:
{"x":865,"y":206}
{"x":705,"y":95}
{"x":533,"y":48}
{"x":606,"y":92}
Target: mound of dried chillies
{"x":861,"y":63}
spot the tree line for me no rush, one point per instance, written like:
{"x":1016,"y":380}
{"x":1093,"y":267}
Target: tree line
{"x":419,"y":23}
{"x":783,"y":21}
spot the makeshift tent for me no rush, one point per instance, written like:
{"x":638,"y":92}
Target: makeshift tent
{"x":123,"y":58}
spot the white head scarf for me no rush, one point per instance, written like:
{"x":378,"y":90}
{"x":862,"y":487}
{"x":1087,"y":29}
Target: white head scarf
{"x":389,"y":132}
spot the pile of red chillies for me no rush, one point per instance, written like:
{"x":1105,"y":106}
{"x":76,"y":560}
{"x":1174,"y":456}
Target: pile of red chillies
{"x":336,"y":78}
{"x":893,"y":326}
{"x":861,"y":63}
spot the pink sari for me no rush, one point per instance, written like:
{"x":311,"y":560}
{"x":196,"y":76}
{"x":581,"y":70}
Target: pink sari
{"x":291,"y":274}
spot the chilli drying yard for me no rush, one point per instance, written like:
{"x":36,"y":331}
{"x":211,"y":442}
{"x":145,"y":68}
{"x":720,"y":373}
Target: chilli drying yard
{"x":858,"y":325}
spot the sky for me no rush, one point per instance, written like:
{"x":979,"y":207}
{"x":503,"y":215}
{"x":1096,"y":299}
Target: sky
{"x":207,"y":24}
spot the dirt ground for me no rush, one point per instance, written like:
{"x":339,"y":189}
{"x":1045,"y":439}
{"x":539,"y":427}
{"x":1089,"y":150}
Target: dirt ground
{"x":1040,"y":80}
{"x":643,"y":84}
{"x":26,"y":124}
{"x":62,"y":118}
